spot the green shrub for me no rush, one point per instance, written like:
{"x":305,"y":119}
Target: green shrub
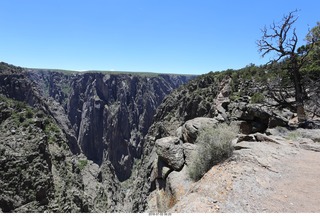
{"x":82,"y":164}
{"x":21,"y":118}
{"x":235,"y":96}
{"x":294,"y":135}
{"x":214,"y":146}
{"x":46,"y":122}
{"x":257,"y":98}
{"x":29,"y":114}
{"x":20,"y":106}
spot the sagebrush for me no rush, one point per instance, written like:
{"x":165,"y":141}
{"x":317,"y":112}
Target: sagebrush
{"x":257,"y":98}
{"x":213,"y":146}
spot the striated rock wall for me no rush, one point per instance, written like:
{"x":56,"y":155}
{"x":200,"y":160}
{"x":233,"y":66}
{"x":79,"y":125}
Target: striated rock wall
{"x":113,"y":113}
{"x":98,"y":122}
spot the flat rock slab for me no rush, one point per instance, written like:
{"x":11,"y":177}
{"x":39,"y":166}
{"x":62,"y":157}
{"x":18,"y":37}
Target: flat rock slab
{"x":261,"y":177}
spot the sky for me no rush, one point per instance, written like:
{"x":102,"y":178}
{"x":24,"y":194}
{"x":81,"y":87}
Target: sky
{"x":164,"y":36}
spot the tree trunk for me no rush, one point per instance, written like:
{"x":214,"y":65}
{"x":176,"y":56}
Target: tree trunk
{"x":299,"y":94}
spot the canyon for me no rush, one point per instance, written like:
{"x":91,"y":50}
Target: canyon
{"x":101,"y":119}
{"x":124,"y":142}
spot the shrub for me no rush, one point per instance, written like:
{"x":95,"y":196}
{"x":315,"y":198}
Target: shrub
{"x":82,"y":164}
{"x":20,"y":106}
{"x":40,"y":114}
{"x":29,"y":114}
{"x":214,"y":146}
{"x":21,"y":118}
{"x":294,"y":135}
{"x":46,"y":122}
{"x":257,"y":98}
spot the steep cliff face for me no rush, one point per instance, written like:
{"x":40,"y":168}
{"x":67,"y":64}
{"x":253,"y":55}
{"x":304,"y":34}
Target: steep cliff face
{"x":39,"y":172}
{"x":91,"y":146}
{"x":112,"y":113}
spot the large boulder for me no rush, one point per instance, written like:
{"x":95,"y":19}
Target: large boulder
{"x":169,"y":149}
{"x":257,"y":118}
{"x":189,"y":150}
{"x":190,"y":130}
{"x":160,"y":170}
{"x":177,"y":186}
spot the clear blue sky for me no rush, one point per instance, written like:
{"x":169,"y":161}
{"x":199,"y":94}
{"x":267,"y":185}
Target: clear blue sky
{"x":177,"y":36}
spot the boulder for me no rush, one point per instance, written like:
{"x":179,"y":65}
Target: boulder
{"x":264,"y":138}
{"x":258,"y":112}
{"x":277,"y":121}
{"x":178,"y":184}
{"x":277,"y":131}
{"x":293,"y":122}
{"x":160,"y":170}
{"x":222,"y":113}
{"x":190,"y":130}
{"x":244,"y":126}
{"x":248,"y":138}
{"x":188,"y":150}
{"x":179,"y":132}
{"x":169,"y":149}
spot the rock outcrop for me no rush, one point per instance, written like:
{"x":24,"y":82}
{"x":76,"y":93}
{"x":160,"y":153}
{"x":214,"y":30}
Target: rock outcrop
{"x":35,"y":163}
{"x":190,"y":130}
{"x":113,"y":113}
{"x":207,"y":96}
{"x":102,"y":142}
{"x":93,"y":143}
{"x":169,"y":150}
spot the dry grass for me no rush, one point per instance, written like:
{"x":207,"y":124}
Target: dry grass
{"x":214,"y":146}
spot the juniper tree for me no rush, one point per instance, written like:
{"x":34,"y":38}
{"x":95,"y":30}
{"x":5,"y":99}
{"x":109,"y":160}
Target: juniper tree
{"x":281,"y":39}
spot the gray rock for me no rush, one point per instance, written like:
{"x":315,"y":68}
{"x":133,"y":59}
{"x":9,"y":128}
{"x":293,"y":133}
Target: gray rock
{"x":189,"y":150}
{"x":277,"y":121}
{"x":165,"y":172}
{"x":222,"y":112}
{"x":179,"y":132}
{"x":190,"y":130}
{"x":160,"y":170}
{"x":277,"y":131}
{"x":178,"y":183}
{"x":311,"y":146}
{"x":313,"y":134}
{"x":170,"y":150}
{"x":248,"y":138}
{"x":244,"y":127}
{"x":112,"y":113}
{"x":264,"y":138}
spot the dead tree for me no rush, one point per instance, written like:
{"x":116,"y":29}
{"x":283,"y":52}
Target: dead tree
{"x":281,"y":39}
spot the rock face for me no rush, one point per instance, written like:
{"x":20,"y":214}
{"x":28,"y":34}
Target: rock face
{"x":190,"y":130}
{"x":113,"y":113}
{"x":169,"y":149}
{"x":209,"y":96}
{"x":35,"y":163}
{"x":98,"y":122}
{"x":99,"y":142}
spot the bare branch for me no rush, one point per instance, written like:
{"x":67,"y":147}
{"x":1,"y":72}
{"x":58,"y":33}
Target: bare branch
{"x":284,"y":46}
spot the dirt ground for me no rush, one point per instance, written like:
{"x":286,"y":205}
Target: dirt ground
{"x":300,"y":190}
{"x":260,"y":177}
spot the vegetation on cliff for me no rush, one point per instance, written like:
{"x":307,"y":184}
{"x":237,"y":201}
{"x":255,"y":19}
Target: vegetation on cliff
{"x":104,"y":141}
{"x":214,"y":147}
